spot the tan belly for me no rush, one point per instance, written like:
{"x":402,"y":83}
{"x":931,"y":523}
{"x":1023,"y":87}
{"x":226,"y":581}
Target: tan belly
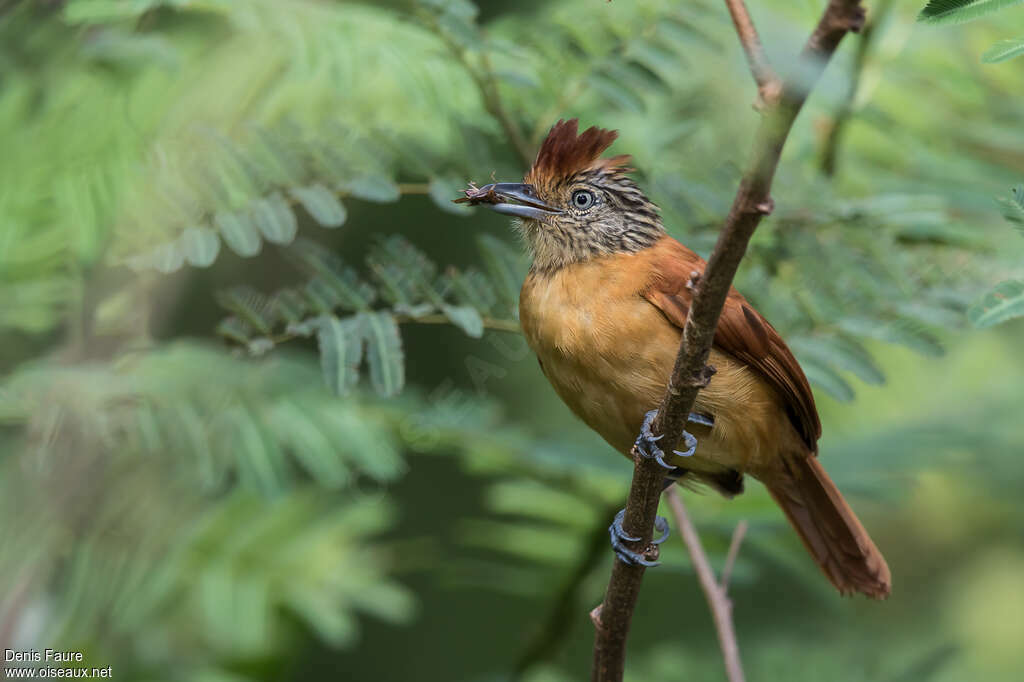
{"x":609,"y":360}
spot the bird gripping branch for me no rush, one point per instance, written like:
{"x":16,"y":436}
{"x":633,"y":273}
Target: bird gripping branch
{"x":603,"y":307}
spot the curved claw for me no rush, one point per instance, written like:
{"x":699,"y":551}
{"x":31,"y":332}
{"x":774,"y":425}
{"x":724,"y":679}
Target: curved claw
{"x":691,"y":445}
{"x":618,"y":531}
{"x":625,"y":554}
{"x":645,"y":442}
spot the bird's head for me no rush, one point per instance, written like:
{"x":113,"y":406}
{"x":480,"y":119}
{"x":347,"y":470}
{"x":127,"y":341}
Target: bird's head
{"x":574,"y":205}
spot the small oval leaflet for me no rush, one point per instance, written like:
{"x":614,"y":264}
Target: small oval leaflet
{"x":200,"y":246}
{"x":322,"y":204}
{"x":239,"y":233}
{"x":274,"y":218}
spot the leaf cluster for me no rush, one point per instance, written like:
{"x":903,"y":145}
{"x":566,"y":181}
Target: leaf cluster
{"x":963,"y":11}
{"x":1006,"y":300}
{"x":344,"y":313}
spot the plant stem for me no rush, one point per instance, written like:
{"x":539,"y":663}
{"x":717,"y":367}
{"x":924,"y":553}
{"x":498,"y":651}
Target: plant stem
{"x":769,"y":85}
{"x":715,"y":592}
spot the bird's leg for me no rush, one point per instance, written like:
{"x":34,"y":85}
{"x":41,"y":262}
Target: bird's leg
{"x":619,"y":535}
{"x":646,"y":445}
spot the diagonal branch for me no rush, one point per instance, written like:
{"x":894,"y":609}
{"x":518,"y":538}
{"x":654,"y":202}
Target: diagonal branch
{"x":691,"y":372}
{"x":769,"y":85}
{"x":833,"y":142}
{"x":486,"y":82}
{"x":734,"y":551}
{"x":715,"y":593}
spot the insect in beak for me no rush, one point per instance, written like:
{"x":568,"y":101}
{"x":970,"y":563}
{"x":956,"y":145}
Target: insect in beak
{"x":510,"y":198}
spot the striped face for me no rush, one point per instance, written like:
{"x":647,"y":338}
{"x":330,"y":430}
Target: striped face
{"x":600,"y":212}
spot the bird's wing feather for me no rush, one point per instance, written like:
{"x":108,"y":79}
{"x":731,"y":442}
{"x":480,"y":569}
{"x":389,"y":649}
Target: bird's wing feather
{"x":742,"y":332}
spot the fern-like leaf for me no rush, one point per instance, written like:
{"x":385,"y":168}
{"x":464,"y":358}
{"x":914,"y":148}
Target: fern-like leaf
{"x":1002,"y":303}
{"x":961,"y":11}
{"x":341,"y":351}
{"x":384,"y":352}
{"x":1003,"y":50}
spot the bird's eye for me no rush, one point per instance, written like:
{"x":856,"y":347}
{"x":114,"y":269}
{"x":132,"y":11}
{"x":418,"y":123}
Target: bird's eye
{"x":583,"y":199}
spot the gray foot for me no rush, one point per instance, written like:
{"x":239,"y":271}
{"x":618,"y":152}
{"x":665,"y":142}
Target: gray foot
{"x":625,"y":554}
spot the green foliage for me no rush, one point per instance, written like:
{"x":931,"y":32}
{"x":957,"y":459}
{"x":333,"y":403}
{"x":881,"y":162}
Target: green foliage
{"x":230,"y":583}
{"x":1003,"y":50}
{"x":234,"y":464}
{"x":962,"y":11}
{"x":190,"y":513}
{"x":403,"y":277}
{"x":1005,"y":301}
{"x":1002,"y":303}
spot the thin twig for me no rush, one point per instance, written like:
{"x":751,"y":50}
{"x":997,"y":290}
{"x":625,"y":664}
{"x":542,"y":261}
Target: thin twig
{"x":718,"y":600}
{"x":753,"y":201}
{"x":769,"y":85}
{"x":492,"y":323}
{"x":830,"y":153}
{"x":734,"y":551}
{"x":486,"y":82}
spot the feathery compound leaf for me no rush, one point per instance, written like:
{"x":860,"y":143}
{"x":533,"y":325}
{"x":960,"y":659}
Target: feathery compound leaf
{"x":827,"y":379}
{"x":167,"y":258}
{"x":275,"y":159}
{"x":465,"y":318}
{"x":322,"y":204}
{"x":341,"y":350}
{"x":274,"y":218}
{"x":841,"y":353}
{"x":234,"y":329}
{"x":1013,"y":208}
{"x":1003,"y":50}
{"x":405,"y":273}
{"x":961,"y":11}
{"x":295,"y":425}
{"x":1002,"y":303}
{"x":249,"y":305}
{"x":384,"y":352}
{"x":260,"y":461}
{"x":909,"y":333}
{"x":239,"y":233}
{"x":200,"y":246}
{"x":469,"y":288}
{"x":321,"y":296}
{"x":348,"y":290}
{"x":289,"y":306}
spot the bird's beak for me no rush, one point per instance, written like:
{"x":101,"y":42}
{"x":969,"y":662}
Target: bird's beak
{"x":511,"y":198}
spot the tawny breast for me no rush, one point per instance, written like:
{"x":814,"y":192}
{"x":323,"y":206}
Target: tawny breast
{"x":608,"y":353}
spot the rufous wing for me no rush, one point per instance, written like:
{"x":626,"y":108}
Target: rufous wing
{"x":742,"y":332}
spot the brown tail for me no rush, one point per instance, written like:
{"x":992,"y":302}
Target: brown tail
{"x":829,"y":528}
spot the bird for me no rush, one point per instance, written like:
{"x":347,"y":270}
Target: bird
{"x":603,"y":307}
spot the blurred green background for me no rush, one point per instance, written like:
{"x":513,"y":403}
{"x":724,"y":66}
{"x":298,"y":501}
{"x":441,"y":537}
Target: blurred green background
{"x":264,"y":412}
